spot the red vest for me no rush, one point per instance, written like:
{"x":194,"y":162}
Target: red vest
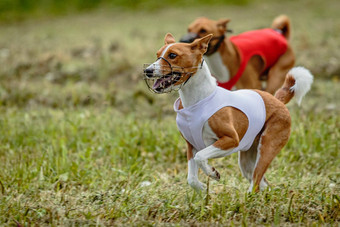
{"x":267,"y":43}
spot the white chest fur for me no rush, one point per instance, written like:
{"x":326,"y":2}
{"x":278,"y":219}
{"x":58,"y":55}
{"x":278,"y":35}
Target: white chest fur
{"x":217,"y":68}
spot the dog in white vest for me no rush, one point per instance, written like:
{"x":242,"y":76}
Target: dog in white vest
{"x":216,"y":122}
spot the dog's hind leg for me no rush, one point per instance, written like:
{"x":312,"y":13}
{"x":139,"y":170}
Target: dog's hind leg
{"x":277,"y":72}
{"x":272,"y":140}
{"x":247,"y":160}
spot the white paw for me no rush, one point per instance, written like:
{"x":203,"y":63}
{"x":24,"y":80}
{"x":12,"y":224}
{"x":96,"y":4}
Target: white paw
{"x":263,"y":186}
{"x":207,"y":169}
{"x":197,"y":185}
{"x":250,"y":189}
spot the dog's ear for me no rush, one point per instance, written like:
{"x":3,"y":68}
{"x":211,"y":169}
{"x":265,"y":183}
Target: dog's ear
{"x":168,"y":39}
{"x":222,"y":24}
{"x":202,"y":43}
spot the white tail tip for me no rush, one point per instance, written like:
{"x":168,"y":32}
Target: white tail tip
{"x":303,"y":82}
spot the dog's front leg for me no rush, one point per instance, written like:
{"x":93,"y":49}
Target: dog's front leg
{"x":201,"y":158}
{"x":221,"y":148}
{"x":193,"y":176}
{"x":193,"y":170}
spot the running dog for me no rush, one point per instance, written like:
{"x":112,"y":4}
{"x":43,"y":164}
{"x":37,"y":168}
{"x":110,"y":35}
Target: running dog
{"x":216,"y":122}
{"x":248,"y":59}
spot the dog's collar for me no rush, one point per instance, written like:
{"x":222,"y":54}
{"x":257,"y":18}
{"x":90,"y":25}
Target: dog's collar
{"x":213,"y":49}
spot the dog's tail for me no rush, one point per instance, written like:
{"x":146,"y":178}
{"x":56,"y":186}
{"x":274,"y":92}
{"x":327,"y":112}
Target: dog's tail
{"x":282,"y":23}
{"x":297,"y":83}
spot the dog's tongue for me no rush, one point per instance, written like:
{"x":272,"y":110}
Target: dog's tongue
{"x":156,"y":84}
{"x":159,"y":83}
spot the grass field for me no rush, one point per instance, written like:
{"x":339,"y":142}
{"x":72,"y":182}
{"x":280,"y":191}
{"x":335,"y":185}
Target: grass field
{"x":83,"y":142}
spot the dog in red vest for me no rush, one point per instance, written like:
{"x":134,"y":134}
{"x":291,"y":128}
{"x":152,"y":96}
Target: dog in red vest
{"x":248,"y":59}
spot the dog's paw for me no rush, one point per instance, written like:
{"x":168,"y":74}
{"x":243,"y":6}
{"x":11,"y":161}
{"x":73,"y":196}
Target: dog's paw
{"x":197,"y":185}
{"x":255,"y":188}
{"x":207,"y":169}
{"x":215,"y":174}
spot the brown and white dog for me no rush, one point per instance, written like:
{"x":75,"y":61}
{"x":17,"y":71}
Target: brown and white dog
{"x":227,"y":57}
{"x":181,"y":66}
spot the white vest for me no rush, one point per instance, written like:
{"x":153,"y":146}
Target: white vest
{"x":190,"y":120}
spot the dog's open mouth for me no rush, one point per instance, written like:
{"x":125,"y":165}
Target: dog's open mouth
{"x":166,"y":81}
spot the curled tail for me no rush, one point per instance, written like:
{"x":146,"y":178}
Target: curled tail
{"x":282,"y":23}
{"x":297,"y":83}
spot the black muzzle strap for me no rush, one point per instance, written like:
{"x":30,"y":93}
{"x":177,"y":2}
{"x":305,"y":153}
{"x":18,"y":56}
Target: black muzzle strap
{"x":165,"y":61}
{"x":213,"y":49}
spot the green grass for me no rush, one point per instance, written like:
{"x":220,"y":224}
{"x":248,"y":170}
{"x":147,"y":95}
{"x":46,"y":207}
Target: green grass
{"x":83,"y":142}
{"x":86,"y":166}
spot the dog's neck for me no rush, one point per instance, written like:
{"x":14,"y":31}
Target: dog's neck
{"x":198,"y":87}
{"x":217,"y":68}
{"x":225,"y":62}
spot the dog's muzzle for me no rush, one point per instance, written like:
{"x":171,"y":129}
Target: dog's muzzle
{"x":162,"y":80}
{"x":167,"y":78}
{"x":189,"y":38}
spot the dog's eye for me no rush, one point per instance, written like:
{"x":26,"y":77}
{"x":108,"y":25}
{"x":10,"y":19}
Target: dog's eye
{"x":203,"y":31}
{"x":172,"y":56}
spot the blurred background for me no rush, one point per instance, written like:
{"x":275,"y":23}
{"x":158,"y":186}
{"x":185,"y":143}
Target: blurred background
{"x":83,"y":52}
{"x":21,"y":9}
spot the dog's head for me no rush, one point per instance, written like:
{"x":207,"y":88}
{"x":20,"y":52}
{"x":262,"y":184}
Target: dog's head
{"x":203,"y":26}
{"x":176,"y":63}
